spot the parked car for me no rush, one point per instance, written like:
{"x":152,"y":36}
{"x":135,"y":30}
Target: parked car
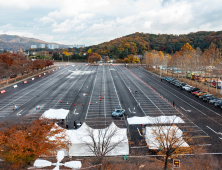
{"x":194,"y":89}
{"x":214,"y":101}
{"x":164,"y":78}
{"x":183,"y":87}
{"x":201,"y":93}
{"x":170,"y":79}
{"x":178,"y":84}
{"x":218,"y":104}
{"x":118,"y":112}
{"x":210,"y":98}
{"x":183,"y":84}
{"x":195,"y":92}
{"x":208,"y":95}
{"x":202,"y":96}
{"x":189,"y":88}
{"x":174,"y":82}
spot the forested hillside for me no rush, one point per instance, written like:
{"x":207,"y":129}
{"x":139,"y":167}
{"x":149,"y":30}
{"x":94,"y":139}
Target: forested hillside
{"x":138,"y":43}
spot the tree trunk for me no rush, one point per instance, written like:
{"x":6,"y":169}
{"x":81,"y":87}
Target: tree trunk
{"x":166,"y":162}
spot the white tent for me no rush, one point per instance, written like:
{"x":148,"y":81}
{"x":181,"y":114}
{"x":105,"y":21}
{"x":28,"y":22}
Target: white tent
{"x":154,"y":120}
{"x":80,"y":136}
{"x":151,"y":136}
{"x":55,"y":114}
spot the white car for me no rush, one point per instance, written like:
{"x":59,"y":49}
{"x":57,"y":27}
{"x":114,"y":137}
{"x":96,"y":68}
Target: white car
{"x":187,"y":87}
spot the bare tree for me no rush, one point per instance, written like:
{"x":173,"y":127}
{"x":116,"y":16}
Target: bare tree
{"x":102,"y":141}
{"x":168,"y":139}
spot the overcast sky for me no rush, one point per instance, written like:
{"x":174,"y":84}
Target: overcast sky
{"x":91,"y":22}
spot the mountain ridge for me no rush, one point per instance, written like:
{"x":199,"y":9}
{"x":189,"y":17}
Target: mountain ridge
{"x":15,"y":42}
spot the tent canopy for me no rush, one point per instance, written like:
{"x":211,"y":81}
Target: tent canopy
{"x":55,"y":114}
{"x":154,"y":120}
{"x":80,"y":139}
{"x":153,"y":133}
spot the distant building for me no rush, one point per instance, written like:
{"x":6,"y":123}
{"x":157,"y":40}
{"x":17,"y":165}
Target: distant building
{"x":33,"y":46}
{"x":51,"y":46}
{"x":56,"y":46}
{"x":42,"y":46}
{"x":78,"y":46}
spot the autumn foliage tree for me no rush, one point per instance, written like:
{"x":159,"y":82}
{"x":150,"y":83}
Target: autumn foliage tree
{"x":21,"y":144}
{"x":94,"y":57}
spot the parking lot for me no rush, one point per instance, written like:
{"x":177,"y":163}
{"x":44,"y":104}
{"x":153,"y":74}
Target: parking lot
{"x":92,"y":93}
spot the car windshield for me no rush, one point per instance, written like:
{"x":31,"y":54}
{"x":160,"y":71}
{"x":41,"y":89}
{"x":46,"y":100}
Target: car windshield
{"x":118,"y":111}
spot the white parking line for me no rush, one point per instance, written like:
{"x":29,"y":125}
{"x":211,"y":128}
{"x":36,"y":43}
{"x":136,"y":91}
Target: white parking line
{"x":218,"y":133}
{"x":91,"y":95}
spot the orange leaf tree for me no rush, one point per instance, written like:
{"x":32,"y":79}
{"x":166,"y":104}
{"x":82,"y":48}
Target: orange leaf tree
{"x":94,"y":57}
{"x":21,"y":144}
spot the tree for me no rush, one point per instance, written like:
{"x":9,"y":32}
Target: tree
{"x":136,"y":60}
{"x":101,"y":141}
{"x":169,"y":139}
{"x":94,"y":57}
{"x":23,"y":143}
{"x":130,"y":58}
{"x":106,"y":59}
{"x":126,"y":60}
{"x":89,"y":50}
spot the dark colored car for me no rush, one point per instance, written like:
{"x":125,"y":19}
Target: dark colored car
{"x":218,"y":104}
{"x":211,"y":98}
{"x":118,"y":112}
{"x":183,"y":84}
{"x":164,"y":78}
{"x":205,"y":98}
{"x":174,"y":82}
{"x":193,"y":90}
{"x":177,"y":84}
{"x":202,"y":96}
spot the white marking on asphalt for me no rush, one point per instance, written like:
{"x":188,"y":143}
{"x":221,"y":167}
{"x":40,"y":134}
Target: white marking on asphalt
{"x":185,"y":110}
{"x":19,"y":112}
{"x":139,"y":147}
{"x":139,"y":132}
{"x":218,"y":133}
{"x":91,"y":96}
{"x":204,"y":145}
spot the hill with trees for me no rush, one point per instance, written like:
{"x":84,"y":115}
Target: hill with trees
{"x":15,"y":42}
{"x":138,"y":43}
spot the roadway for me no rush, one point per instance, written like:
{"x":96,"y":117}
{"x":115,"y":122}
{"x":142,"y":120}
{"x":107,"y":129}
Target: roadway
{"x":91,"y":93}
